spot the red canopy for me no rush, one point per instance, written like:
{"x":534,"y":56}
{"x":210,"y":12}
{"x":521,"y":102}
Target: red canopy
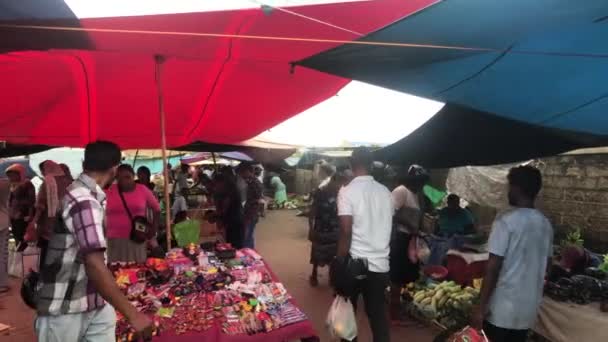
{"x":219,"y":90}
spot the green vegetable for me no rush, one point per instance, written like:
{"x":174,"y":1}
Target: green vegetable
{"x":573,"y":238}
{"x":604,"y":266}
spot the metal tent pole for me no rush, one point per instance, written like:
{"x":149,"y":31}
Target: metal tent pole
{"x":159,"y":63}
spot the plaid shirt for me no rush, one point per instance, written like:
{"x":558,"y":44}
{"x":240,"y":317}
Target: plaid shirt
{"x":80,"y":230}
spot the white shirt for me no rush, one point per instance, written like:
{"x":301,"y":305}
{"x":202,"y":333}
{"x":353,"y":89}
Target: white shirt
{"x":524,"y":238}
{"x":404,"y":198}
{"x":370,"y":205}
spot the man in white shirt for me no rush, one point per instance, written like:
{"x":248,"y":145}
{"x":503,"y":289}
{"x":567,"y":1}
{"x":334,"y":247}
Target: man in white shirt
{"x":365,"y":210}
{"x":520,"y":246}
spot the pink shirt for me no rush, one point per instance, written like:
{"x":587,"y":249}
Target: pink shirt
{"x":139,"y":201}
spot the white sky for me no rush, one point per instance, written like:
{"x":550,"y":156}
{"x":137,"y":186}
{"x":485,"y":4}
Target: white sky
{"x":115,"y":8}
{"x":360,"y":112}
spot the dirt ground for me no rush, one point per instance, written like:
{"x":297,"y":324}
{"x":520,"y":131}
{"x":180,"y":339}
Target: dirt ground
{"x":281,"y":239}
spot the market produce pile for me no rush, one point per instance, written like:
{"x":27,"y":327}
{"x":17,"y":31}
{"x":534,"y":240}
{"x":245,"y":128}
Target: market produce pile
{"x":193,"y":290}
{"x":447,"y":303}
{"x":581,"y":288}
{"x":293,"y":203}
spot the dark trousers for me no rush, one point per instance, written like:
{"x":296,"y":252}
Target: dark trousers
{"x":373,"y":291}
{"x":497,"y":334}
{"x":249,"y":241}
{"x":43,"y":244}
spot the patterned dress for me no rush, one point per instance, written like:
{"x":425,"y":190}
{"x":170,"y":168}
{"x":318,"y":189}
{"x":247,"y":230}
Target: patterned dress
{"x":326,"y":227}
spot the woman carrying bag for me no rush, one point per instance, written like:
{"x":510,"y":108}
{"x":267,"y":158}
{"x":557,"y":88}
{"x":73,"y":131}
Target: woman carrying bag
{"x":133,"y":215}
{"x":48,"y":205}
{"x":21,"y":203}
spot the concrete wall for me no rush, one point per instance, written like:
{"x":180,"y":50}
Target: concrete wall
{"x":575,"y":195}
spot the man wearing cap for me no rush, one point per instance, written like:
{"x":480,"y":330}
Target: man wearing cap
{"x":409,"y":211}
{"x":365,"y":211}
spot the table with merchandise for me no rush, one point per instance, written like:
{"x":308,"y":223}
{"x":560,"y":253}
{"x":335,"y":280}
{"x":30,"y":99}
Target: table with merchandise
{"x":211,"y":293}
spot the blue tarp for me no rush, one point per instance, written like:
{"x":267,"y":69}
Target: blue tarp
{"x":547,"y":65}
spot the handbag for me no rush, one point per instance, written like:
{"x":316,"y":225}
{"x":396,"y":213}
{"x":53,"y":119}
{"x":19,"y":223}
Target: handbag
{"x":140,"y":226}
{"x":31,"y":276}
{"x":345,"y":272}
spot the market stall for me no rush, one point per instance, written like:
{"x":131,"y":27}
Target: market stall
{"x":212,"y":294}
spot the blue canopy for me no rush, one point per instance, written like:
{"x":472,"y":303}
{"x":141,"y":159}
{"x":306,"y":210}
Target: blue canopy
{"x":542,"y":62}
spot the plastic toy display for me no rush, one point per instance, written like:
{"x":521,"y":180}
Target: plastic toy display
{"x":193,"y":290}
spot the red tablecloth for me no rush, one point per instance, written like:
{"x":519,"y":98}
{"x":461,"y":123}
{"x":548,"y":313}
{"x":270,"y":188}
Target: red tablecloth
{"x":297,"y":331}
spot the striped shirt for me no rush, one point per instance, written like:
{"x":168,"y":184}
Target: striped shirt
{"x":80,"y":230}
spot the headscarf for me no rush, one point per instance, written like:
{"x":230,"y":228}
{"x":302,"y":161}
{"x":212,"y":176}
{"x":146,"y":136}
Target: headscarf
{"x":52,"y":170}
{"x":20,"y":169}
{"x":66,"y":171}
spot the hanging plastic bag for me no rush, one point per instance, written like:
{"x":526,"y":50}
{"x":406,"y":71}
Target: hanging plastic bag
{"x":24,"y":262}
{"x":468,"y":334}
{"x":341,"y":320}
{"x":187,"y":232}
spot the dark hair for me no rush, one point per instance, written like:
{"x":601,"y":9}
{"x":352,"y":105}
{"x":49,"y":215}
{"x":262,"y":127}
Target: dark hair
{"x":362,"y":157}
{"x":453,"y":197}
{"x":101,"y":156}
{"x":180,"y":216}
{"x":126,"y":167}
{"x":145,"y":170}
{"x":41,"y":166}
{"x":185,"y":168}
{"x":328,"y":169}
{"x":527,"y":178}
{"x":245,"y":166}
{"x":341,"y":176}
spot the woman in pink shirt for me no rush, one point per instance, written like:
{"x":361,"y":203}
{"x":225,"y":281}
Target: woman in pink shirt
{"x":141,"y":202}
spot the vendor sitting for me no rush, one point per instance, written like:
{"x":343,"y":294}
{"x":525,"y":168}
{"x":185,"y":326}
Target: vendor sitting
{"x":454,"y":220}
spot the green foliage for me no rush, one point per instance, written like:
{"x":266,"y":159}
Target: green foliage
{"x":604,"y":265}
{"x":573,"y":238}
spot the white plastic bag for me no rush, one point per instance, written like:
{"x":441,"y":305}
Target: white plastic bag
{"x":24,"y":262}
{"x":341,"y":320}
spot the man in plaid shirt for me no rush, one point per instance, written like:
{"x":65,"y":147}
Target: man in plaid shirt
{"x":75,"y":280}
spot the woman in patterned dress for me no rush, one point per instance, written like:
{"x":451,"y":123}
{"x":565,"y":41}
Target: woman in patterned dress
{"x":324,"y":226}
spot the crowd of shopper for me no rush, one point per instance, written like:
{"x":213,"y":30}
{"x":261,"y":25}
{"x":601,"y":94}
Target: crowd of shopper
{"x":359,"y":228}
{"x":368,"y":236}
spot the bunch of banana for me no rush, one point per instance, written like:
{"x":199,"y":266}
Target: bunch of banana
{"x":446,"y":294}
{"x":413,"y":288}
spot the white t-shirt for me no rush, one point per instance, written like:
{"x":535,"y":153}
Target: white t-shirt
{"x":524,"y":238}
{"x":370,"y":205}
{"x":404,"y":198}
